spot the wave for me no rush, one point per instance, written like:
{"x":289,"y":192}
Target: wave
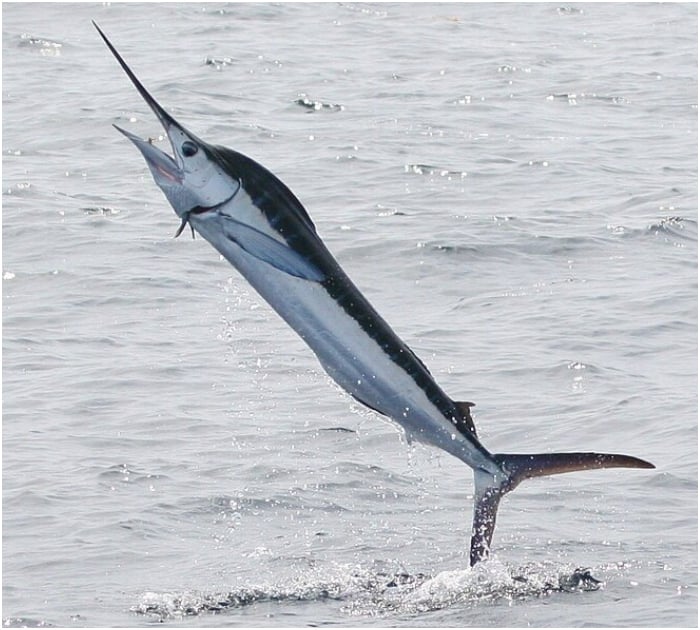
{"x":432,"y":170}
{"x":669,"y":228}
{"x":44,"y":46}
{"x":573,"y":98}
{"x":371,"y":592}
{"x":314,"y":106}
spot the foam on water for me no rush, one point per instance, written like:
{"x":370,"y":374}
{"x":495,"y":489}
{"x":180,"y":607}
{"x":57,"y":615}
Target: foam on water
{"x":365,"y":592}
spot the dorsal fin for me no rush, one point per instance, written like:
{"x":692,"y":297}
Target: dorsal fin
{"x":464,"y":422}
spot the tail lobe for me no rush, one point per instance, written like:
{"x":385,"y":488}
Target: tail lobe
{"x":489,"y":489}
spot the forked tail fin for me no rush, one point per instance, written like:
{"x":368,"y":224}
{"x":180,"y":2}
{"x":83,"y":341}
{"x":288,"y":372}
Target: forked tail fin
{"x":489,"y":489}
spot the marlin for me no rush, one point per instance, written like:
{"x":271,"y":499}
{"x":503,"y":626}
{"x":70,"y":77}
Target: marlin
{"x":256,"y":223}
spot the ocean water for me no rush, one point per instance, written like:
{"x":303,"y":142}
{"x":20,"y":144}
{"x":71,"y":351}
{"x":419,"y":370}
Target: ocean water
{"x":513,"y":186}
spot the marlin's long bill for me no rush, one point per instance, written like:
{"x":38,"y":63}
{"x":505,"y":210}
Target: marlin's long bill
{"x":261,"y":228}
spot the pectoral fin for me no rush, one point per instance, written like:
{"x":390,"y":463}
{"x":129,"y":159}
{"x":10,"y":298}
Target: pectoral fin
{"x":271,"y":251}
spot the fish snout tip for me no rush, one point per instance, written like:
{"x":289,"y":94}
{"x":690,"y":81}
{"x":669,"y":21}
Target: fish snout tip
{"x":99,"y":30}
{"x":133,"y":137}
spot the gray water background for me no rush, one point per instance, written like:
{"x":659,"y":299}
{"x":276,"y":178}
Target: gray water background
{"x":513,"y":186}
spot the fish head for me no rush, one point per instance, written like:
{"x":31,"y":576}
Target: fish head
{"x":190,"y":179}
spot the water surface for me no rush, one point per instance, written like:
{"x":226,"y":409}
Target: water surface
{"x":514,"y":187}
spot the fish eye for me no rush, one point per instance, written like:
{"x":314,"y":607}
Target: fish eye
{"x":189,"y":148}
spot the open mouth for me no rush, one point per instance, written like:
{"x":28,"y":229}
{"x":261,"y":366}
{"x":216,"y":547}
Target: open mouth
{"x":159,"y":162}
{"x":166,"y":173}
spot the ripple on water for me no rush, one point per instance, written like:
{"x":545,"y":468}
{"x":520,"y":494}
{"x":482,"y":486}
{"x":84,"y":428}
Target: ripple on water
{"x":44,"y":46}
{"x":673,"y":229}
{"x":25,"y":622}
{"x":313,"y":105}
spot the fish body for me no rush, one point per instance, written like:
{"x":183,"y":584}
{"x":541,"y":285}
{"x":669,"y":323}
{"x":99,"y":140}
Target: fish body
{"x":256,"y":223}
{"x":312,"y":293}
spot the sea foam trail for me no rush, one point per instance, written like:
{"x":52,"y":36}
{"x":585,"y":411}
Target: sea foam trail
{"x":367,"y":592}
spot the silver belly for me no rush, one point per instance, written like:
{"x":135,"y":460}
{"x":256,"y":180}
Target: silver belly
{"x":351,"y":357}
